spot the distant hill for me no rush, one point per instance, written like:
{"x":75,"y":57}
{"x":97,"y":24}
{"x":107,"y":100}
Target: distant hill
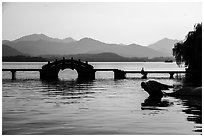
{"x":42,"y":37}
{"x":8,"y":51}
{"x":5,"y":41}
{"x":40,"y":44}
{"x":164,"y":45}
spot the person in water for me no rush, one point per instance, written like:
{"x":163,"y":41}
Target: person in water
{"x":144,"y":74}
{"x":142,"y":71}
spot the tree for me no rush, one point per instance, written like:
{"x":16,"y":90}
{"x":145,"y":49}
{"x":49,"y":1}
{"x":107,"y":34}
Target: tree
{"x":189,"y":52}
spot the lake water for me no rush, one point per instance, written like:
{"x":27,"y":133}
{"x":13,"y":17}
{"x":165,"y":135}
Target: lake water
{"x":102,"y":106}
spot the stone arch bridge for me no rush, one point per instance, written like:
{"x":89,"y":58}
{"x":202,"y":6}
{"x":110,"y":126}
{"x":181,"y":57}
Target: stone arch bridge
{"x":51,"y":70}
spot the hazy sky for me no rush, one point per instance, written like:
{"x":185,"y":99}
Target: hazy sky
{"x":140,"y":23}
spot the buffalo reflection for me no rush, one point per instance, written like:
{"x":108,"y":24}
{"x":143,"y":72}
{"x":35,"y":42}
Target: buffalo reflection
{"x":191,"y":106}
{"x":155,"y":102}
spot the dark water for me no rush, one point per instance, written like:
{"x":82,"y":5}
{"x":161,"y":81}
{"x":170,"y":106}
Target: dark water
{"x":101,"y":106}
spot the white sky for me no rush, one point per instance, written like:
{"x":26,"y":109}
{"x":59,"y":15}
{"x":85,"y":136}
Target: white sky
{"x":140,"y":23}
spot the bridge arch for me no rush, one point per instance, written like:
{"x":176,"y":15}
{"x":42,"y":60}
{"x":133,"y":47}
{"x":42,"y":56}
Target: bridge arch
{"x":50,"y":71}
{"x":68,"y":74}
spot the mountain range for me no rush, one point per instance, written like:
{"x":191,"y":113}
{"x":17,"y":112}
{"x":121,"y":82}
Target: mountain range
{"x":40,"y":44}
{"x":164,"y":45}
{"x":8,"y":51}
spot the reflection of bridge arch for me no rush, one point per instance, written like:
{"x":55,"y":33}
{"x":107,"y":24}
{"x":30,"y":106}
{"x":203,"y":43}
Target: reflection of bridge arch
{"x":51,"y":70}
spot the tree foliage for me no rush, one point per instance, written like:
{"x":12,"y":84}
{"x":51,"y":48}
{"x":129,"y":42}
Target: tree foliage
{"x":189,"y":52}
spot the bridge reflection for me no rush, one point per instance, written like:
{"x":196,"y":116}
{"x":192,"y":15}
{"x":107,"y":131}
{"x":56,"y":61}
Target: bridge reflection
{"x":68,"y":91}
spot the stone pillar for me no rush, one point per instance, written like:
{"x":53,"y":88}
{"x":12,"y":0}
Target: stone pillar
{"x":13,"y":73}
{"x":119,"y":74}
{"x":171,"y":75}
{"x":49,"y":74}
{"x":86,"y":74}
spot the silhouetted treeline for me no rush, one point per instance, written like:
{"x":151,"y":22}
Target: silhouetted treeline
{"x":108,"y":57}
{"x":161,"y":59}
{"x":102,"y":57}
{"x":23,"y":59}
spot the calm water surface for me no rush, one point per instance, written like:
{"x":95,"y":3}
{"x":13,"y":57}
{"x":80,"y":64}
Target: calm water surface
{"x":101,"y":106}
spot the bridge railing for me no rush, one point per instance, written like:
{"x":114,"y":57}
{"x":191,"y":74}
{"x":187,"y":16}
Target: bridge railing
{"x":67,"y":62}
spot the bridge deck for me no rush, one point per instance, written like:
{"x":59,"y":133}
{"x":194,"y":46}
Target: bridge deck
{"x":152,"y":71}
{"x":114,"y":70}
{"x":105,"y":69}
{"x":156,"y":71}
{"x":137,"y":71}
{"x":21,"y":69}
